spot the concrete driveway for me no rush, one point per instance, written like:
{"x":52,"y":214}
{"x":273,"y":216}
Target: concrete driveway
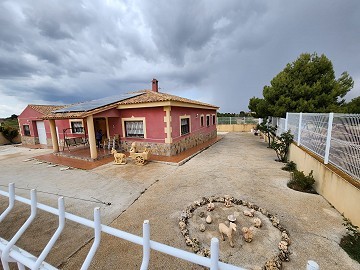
{"x":239,"y":165}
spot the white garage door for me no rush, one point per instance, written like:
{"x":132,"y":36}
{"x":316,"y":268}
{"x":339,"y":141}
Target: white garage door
{"x":41,"y":132}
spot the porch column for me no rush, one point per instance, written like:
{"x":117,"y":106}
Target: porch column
{"x":167,"y":121}
{"x":91,"y":134}
{"x":107,"y":127}
{"x":54,"y":138}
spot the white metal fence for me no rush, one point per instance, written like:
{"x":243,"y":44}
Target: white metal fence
{"x":236,"y":120}
{"x":9,"y":252}
{"x":334,"y":137}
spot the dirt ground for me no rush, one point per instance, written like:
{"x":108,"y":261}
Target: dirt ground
{"x":239,"y":165}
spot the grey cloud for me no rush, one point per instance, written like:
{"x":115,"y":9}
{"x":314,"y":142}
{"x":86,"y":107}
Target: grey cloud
{"x":225,"y":51}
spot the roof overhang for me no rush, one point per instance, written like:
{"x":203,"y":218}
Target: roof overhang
{"x":165,"y":103}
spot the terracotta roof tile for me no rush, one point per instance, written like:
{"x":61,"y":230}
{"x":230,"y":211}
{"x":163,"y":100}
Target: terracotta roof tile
{"x":46,"y":109}
{"x":151,"y":96}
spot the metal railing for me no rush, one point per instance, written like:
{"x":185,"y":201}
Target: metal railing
{"x":332,"y":136}
{"x":236,"y":120}
{"x":11,"y":253}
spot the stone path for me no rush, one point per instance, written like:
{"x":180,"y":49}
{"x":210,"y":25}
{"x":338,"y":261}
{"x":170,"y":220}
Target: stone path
{"x":239,"y":165}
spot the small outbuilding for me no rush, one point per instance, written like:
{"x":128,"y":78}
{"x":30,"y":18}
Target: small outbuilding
{"x":167,"y":124}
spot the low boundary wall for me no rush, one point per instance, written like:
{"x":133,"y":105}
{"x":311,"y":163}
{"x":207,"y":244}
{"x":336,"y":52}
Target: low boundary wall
{"x":338,"y":188}
{"x":236,"y":128}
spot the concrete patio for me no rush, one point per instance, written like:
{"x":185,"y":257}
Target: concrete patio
{"x":240,"y":165}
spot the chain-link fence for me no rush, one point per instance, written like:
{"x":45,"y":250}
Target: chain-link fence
{"x":333,"y":137}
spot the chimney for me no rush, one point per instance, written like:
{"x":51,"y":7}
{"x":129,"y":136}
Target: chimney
{"x":155,"y":86}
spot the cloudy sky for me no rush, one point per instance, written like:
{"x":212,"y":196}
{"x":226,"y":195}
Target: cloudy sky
{"x":220,"y":52}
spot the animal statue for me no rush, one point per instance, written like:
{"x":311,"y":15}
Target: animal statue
{"x":119,"y":158}
{"x":248,"y":233}
{"x":249,"y":213}
{"x":257,"y":222}
{"x":133,"y":148}
{"x":223,"y":229}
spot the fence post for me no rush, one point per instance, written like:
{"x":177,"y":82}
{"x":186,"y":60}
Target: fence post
{"x":328,"y":138}
{"x":214,"y":251}
{"x":230,"y":120}
{"x":146,"y":245}
{"x":286,"y":122}
{"x":299,"y":129}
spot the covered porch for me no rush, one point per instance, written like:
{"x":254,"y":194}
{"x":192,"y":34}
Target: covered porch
{"x":83,"y":144}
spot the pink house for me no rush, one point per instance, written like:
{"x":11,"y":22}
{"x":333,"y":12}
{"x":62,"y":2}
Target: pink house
{"x":165,"y":123}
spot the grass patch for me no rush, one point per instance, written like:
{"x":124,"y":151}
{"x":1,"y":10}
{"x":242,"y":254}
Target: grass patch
{"x":350,"y":243}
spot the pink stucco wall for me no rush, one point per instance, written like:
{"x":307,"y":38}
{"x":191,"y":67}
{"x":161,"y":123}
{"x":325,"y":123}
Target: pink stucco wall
{"x":195,"y":127}
{"x":155,"y":126}
{"x":29,"y":117}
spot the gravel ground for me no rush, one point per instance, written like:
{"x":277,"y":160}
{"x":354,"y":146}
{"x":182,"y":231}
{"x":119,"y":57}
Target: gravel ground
{"x":239,"y":165}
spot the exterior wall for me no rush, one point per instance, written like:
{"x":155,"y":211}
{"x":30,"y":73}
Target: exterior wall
{"x":155,"y":127}
{"x":343,"y":195}
{"x":195,"y":127}
{"x":30,"y":116}
{"x":236,"y":128}
{"x":170,"y":149}
{"x":154,"y":121}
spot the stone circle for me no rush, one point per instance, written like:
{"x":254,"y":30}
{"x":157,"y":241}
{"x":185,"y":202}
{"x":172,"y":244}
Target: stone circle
{"x":197,"y":247}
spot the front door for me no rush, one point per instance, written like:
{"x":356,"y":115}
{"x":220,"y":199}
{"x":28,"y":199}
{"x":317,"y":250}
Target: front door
{"x":41,"y":132}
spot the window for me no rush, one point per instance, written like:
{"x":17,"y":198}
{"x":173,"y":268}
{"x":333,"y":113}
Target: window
{"x":208,"y":120}
{"x":185,"y":126}
{"x":76,"y":127}
{"x":214,"y":119}
{"x":26,"y":129}
{"x":202,"y":121}
{"x":134,"y":129}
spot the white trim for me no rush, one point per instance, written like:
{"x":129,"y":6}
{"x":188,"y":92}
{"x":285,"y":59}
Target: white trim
{"x":212,"y":119}
{"x":185,"y":117}
{"x":207,"y":121}
{"x":203,"y":120}
{"x":123,"y":120}
{"x":77,"y":120}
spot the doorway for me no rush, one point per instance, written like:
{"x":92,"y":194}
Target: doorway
{"x":100,"y":124}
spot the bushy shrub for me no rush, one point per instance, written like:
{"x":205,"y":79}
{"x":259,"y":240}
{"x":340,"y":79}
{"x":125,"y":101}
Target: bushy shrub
{"x":351,"y":241}
{"x":290,"y":166}
{"x":9,"y":133}
{"x":301,"y":182}
{"x":281,"y":145}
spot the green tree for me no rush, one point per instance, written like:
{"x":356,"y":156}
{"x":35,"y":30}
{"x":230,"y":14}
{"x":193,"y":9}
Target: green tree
{"x":306,"y":85}
{"x":353,"y":106}
{"x":259,"y":106}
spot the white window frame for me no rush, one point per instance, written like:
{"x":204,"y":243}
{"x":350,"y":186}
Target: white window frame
{"x":208,"y":123}
{"x":203,"y":120}
{"x":213,"y":116}
{"x":76,"y":120}
{"x":185,"y":117}
{"x":24,"y":129}
{"x":133,"y":119}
